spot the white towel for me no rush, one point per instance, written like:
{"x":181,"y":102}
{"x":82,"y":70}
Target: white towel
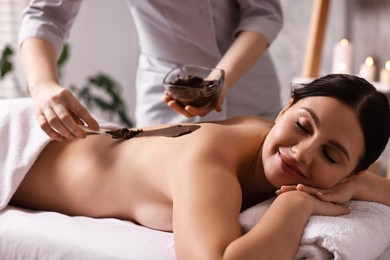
{"x":363,"y":234}
{"x":21,"y":142}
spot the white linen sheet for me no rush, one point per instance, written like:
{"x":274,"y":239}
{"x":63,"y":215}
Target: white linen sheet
{"x":26,"y":234}
{"x":39,"y":235}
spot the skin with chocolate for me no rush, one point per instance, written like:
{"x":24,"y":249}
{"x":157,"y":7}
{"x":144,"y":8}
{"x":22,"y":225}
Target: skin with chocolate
{"x":170,"y":131}
{"x":196,"y":184}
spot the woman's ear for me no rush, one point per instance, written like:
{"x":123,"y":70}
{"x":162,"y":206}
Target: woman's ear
{"x":287,"y":106}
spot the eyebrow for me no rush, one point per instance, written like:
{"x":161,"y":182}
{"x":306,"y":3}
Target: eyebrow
{"x":331,"y":142}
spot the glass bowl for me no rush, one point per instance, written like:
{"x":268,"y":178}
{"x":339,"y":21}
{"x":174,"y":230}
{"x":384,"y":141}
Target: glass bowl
{"x":194,"y":85}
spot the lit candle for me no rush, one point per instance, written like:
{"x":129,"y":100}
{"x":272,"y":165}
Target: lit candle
{"x":342,"y":57}
{"x":368,"y":69}
{"x":385,"y":74}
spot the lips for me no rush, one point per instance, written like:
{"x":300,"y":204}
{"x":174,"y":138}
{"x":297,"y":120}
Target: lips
{"x":288,"y":167}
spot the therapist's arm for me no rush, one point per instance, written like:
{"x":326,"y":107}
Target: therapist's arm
{"x":245,"y":51}
{"x":57,"y":110}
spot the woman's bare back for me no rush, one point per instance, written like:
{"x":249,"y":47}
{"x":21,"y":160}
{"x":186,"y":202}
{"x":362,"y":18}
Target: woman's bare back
{"x":97,"y":177}
{"x":103,"y":177}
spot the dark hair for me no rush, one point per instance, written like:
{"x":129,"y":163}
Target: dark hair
{"x":371,"y":106}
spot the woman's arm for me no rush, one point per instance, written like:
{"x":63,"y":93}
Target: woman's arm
{"x":278,"y":233}
{"x":371,"y":187}
{"x":366,"y":186}
{"x":206,"y":225}
{"x":206,"y":205}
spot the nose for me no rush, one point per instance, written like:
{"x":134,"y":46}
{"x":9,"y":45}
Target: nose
{"x":303,"y":152}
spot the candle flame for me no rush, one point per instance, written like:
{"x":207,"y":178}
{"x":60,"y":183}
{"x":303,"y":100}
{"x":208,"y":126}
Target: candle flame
{"x":344,"y":42}
{"x":387,"y":65}
{"x":342,"y":67}
{"x":369,"y":61}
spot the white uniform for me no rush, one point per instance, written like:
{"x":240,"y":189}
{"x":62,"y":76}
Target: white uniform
{"x":176,"y":32}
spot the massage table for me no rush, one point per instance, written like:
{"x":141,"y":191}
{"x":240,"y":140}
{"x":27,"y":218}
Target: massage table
{"x":27,"y":234}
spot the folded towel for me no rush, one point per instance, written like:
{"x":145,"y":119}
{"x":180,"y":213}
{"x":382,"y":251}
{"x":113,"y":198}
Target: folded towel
{"x":22,"y":140}
{"x":363,"y":234}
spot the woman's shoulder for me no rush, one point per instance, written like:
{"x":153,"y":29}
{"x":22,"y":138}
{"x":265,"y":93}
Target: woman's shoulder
{"x":245,"y":122}
{"x":235,"y":131}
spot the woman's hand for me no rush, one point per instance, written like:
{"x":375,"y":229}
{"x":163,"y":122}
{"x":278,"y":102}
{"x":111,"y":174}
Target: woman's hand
{"x":59,"y":113}
{"x":317,"y":206}
{"x":340,"y":193}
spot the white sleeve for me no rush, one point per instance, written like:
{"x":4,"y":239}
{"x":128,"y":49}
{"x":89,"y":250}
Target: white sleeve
{"x":263,"y":16}
{"x":50,"y":20}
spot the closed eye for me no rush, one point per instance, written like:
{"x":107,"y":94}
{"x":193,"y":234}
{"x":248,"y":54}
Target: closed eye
{"x":301,"y":127}
{"x":324,"y":151}
{"x":328,"y":157}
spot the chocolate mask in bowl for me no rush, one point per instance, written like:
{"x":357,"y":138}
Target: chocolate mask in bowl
{"x":194,"y":85}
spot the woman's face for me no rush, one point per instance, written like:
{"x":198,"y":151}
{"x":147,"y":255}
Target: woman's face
{"x":317,"y":142}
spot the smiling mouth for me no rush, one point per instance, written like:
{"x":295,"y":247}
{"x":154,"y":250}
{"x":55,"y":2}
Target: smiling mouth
{"x":288,"y":168}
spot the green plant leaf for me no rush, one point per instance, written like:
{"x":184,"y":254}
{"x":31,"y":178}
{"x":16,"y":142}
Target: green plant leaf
{"x":64,"y":56}
{"x":7,"y":52}
{"x":5,"y":68}
{"x":6,"y":62}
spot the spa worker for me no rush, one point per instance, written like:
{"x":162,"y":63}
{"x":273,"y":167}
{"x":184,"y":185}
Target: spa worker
{"x":230,"y":35}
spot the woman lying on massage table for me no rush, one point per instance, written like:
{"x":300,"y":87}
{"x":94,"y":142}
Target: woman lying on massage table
{"x":196,"y":184}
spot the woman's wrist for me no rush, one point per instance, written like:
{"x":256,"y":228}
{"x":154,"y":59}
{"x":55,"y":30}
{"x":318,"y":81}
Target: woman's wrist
{"x":298,"y":200}
{"x":360,"y":185}
{"x":371,"y":187}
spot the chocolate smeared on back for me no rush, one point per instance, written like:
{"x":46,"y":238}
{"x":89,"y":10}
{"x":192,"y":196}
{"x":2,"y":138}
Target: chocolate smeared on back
{"x":123,"y":133}
{"x":171,"y":131}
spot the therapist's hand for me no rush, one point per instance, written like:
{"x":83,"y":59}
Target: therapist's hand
{"x":59,"y":112}
{"x":191,"y":111}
